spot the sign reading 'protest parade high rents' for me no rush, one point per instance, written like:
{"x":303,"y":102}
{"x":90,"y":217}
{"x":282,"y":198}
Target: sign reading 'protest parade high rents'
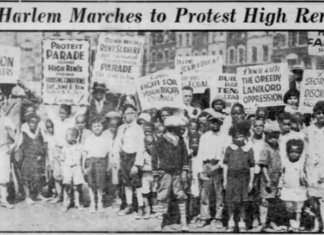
{"x":316,"y":43}
{"x":9,"y":64}
{"x":118,"y":62}
{"x":225,"y":86}
{"x":312,"y":90}
{"x":263,"y":85}
{"x":66,"y":72}
{"x":195,"y":70}
{"x":160,"y":89}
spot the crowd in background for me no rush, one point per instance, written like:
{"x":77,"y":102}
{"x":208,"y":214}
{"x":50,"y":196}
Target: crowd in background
{"x":238,"y":171}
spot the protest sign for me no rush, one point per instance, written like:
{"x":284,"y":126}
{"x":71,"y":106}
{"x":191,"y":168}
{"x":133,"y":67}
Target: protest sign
{"x":160,"y":89}
{"x":225,"y":86}
{"x":9,"y":64}
{"x":66,"y":72}
{"x":207,"y":63}
{"x":263,"y":85}
{"x":198,"y":80}
{"x":316,"y":43}
{"x":118,"y":62}
{"x":312,"y":90}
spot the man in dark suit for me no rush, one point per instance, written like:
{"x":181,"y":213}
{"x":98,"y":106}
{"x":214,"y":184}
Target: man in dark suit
{"x":99,"y":105}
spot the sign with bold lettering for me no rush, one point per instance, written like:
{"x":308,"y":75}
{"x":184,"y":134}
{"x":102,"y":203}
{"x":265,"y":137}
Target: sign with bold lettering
{"x":263,"y":85}
{"x":195,"y":71}
{"x":160,"y":89}
{"x":225,"y":86}
{"x":316,"y":43}
{"x":312,"y":90}
{"x":66,"y":72}
{"x":9,"y":64}
{"x":118,"y":62}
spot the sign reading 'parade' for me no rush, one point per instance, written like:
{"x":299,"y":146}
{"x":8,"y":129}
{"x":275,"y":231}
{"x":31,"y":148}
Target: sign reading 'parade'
{"x":9,"y":64}
{"x":160,"y":89}
{"x":118,"y":62}
{"x":263,"y":85}
{"x":66,"y":72}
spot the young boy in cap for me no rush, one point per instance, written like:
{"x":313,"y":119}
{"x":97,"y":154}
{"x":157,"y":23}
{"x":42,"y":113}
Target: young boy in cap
{"x":270,"y":163}
{"x":211,"y":149}
{"x":170,"y":164}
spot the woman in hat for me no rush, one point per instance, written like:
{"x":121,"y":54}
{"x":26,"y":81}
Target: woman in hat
{"x":99,"y":105}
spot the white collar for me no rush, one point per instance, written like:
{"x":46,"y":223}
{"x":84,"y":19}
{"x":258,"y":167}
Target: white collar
{"x":245,"y":148}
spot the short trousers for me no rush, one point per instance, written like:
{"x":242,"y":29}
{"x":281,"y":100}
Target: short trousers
{"x":148,"y":183}
{"x":294,"y":206}
{"x":72,"y":175}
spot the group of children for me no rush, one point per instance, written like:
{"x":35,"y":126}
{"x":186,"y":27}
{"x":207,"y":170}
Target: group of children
{"x":224,"y":169}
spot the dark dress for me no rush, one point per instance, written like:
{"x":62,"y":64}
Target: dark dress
{"x":239,"y":163}
{"x":33,"y":169}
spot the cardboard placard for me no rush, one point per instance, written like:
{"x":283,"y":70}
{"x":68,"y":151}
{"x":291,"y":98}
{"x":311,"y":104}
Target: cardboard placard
{"x":160,"y":89}
{"x":312,"y":90}
{"x":118,"y":62}
{"x":225,"y":86}
{"x":9,"y":64}
{"x":263,"y":85}
{"x":190,"y":63}
{"x":316,"y":43}
{"x":66,"y":72}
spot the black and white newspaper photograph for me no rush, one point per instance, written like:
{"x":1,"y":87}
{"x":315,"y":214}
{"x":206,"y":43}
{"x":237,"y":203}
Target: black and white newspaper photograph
{"x":153,"y":117}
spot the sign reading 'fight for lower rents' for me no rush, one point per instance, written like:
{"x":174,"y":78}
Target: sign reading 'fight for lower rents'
{"x":225,"y":86}
{"x":9,"y":64}
{"x":312,"y":90}
{"x":263,"y":85}
{"x":118,"y":62}
{"x":160,"y":89}
{"x":316,"y":43}
{"x":66,"y":72}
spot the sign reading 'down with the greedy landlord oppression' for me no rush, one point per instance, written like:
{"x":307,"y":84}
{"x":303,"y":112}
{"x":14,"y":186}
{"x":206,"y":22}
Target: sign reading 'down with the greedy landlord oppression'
{"x":9,"y":64}
{"x":263,"y":85}
{"x":118,"y":62}
{"x":66,"y":72}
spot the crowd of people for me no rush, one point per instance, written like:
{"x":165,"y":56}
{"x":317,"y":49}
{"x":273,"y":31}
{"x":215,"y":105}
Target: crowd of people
{"x":235,"y":170}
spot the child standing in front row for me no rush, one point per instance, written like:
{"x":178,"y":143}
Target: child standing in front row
{"x":96,"y":149}
{"x":292,"y":183}
{"x":238,"y":172}
{"x":71,"y":157}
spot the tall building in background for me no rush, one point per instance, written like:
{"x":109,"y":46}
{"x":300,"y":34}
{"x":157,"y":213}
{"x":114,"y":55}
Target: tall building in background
{"x":236,"y":51}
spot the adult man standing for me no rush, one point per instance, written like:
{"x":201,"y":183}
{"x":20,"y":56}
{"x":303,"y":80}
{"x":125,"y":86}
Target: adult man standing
{"x":99,"y":106}
{"x":192,"y":112}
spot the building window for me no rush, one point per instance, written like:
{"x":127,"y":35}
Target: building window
{"x":153,"y":57}
{"x":265,"y":53}
{"x":241,"y":56}
{"x":279,"y":40}
{"x":188,"y":39}
{"x":213,"y":53}
{"x":180,"y":40}
{"x":166,"y":56}
{"x":153,"y":39}
{"x":159,"y":57}
{"x":204,"y":53}
{"x":187,"y":54}
{"x":214,"y":37}
{"x":231,"y":56}
{"x":254,"y":54}
{"x":293,"y":38}
{"x":302,"y":38}
{"x":221,"y":33}
{"x":221,"y":52}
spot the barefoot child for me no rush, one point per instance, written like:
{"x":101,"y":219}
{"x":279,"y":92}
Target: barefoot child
{"x":96,"y":149}
{"x":71,"y":158}
{"x":238,"y":172}
{"x":270,"y":163}
{"x":292,"y":183}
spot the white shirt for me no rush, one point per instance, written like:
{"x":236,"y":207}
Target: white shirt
{"x":71,"y":155}
{"x":211,"y":146}
{"x":257,"y":146}
{"x":97,"y":146}
{"x":99,"y":104}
